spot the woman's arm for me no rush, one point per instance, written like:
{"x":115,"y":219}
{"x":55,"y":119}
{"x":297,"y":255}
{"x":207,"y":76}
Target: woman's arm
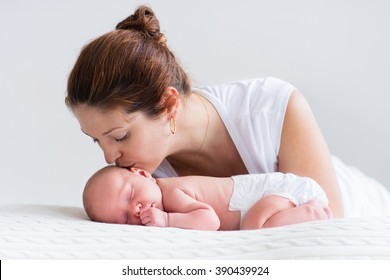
{"x":304,"y":152}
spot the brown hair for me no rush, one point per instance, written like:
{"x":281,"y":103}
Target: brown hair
{"x":128,"y":68}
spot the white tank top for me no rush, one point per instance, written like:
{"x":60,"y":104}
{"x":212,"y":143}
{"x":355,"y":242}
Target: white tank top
{"x":253,"y":113}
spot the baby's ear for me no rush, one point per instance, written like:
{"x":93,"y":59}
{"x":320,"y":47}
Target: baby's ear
{"x":141,"y":172}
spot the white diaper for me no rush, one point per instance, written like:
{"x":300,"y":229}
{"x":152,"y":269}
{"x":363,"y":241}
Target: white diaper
{"x":248,"y":189}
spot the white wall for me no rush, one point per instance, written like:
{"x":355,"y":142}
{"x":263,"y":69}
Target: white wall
{"x":336,"y":52}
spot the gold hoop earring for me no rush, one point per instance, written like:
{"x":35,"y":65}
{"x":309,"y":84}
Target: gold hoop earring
{"x":172,"y":124}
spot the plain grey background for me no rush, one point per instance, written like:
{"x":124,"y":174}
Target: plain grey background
{"x":336,"y":52}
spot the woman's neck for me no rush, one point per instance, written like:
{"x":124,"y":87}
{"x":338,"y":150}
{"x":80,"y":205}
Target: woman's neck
{"x":202,"y":144}
{"x":193,"y":128}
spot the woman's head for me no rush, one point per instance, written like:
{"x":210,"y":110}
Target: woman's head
{"x":129,"y":69}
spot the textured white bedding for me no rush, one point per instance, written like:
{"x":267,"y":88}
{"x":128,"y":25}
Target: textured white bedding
{"x":58,"y":232}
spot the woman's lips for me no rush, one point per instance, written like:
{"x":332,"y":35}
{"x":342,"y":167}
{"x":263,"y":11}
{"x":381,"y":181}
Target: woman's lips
{"x":126,"y":166}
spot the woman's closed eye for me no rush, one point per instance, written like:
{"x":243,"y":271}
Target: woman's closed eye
{"x":120,"y":139}
{"x":123,"y":138}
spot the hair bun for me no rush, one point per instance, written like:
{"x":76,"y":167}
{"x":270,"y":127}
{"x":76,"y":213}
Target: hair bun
{"x":144,"y":21}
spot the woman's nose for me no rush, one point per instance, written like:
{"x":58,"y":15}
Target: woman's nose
{"x":111,"y":154}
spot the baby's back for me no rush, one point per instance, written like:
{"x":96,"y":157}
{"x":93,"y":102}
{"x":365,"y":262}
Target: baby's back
{"x":213,"y":191}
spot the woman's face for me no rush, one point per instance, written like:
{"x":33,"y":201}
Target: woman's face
{"x":128,"y":140}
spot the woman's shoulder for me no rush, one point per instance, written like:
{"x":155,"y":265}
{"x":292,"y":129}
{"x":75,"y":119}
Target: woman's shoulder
{"x":244,"y":88}
{"x":259,"y":82}
{"x":251,"y":94}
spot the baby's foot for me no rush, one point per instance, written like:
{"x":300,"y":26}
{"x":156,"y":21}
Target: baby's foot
{"x":328,"y":212}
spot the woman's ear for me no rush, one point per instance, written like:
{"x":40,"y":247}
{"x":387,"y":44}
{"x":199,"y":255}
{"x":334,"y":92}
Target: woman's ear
{"x":170,"y":101}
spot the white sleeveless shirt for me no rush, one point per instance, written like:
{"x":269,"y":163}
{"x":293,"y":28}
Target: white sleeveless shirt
{"x":253,"y":113}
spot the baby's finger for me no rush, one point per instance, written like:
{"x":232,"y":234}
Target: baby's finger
{"x":145,"y":219}
{"x":144,"y":210}
{"x":144,"y":213}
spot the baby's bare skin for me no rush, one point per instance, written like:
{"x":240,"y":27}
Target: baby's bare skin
{"x":215,"y":192}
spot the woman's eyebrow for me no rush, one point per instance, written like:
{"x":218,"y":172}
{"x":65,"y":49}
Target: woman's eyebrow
{"x":105,"y":133}
{"x":112,"y":129}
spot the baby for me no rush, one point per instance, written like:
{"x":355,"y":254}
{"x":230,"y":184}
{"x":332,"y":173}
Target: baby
{"x":122,"y":196}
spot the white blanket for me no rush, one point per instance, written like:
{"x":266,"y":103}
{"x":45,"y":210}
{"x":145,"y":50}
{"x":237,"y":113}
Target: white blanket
{"x":59,"y":232}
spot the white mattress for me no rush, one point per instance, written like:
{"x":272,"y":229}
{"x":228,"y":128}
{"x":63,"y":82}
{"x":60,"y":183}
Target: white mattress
{"x":59,"y":232}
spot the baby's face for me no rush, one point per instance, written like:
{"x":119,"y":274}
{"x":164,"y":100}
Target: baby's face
{"x":123,"y":194}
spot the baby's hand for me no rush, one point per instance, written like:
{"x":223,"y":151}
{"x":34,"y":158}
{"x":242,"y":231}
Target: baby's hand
{"x":152,"y":216}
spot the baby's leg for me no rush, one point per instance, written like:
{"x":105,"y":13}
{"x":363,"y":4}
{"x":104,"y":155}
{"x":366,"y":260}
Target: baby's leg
{"x":310,"y":211}
{"x":264,"y":209}
{"x":273,"y":211}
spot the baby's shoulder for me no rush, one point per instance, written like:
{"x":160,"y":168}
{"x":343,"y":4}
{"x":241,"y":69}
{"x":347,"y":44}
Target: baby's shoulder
{"x":194,"y":185}
{"x":169,"y":185}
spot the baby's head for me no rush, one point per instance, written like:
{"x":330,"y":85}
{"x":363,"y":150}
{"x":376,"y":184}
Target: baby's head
{"x":116,"y":195}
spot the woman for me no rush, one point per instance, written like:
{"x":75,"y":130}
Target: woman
{"x":132,"y":97}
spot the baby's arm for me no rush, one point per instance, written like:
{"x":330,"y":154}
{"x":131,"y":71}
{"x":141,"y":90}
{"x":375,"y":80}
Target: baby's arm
{"x":183,"y":211}
{"x":272,"y":211}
